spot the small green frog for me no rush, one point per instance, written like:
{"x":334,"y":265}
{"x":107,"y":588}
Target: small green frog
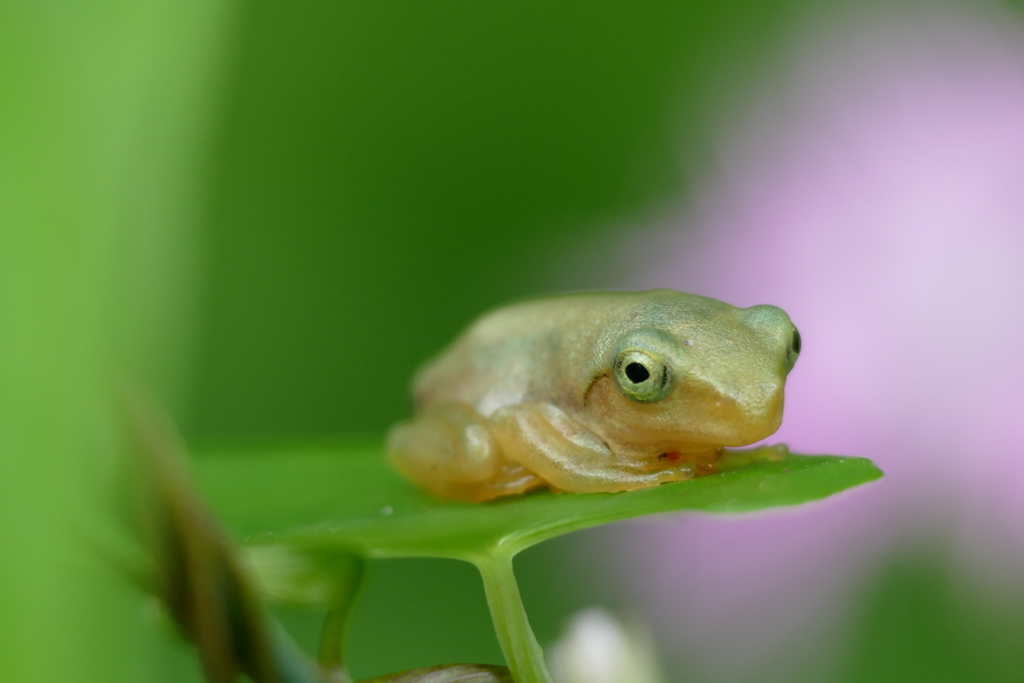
{"x":595,"y":392}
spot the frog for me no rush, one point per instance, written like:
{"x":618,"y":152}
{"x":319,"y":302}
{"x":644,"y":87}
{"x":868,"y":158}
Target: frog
{"x":594,"y":393}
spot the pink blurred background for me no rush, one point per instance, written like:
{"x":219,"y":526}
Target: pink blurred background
{"x":875,"y":191}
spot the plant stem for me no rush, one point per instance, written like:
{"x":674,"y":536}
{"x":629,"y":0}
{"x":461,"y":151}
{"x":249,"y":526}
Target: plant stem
{"x":348,"y":580}
{"x":522,"y":652}
{"x":290,"y":663}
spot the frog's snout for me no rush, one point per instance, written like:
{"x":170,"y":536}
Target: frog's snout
{"x":735,"y":413}
{"x":776,"y":323}
{"x":754,"y":417}
{"x":767,"y":422}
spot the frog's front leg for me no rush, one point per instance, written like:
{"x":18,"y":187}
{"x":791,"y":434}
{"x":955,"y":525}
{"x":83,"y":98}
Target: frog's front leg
{"x":569,"y":456}
{"x":449,"y":449}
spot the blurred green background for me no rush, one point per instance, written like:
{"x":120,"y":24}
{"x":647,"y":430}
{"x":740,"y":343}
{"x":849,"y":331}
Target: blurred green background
{"x":274,"y":212}
{"x":382,"y":173}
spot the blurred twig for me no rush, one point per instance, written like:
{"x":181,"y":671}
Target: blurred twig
{"x":197,"y":574}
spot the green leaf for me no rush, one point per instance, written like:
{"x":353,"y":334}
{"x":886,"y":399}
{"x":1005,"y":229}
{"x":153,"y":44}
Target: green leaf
{"x":344,"y":500}
{"x":348,"y":497}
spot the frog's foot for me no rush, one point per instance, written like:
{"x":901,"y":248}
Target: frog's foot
{"x":733,"y":457}
{"x":682,"y":471}
{"x":570,"y":457}
{"x":511,"y":479}
{"x":449,"y":450}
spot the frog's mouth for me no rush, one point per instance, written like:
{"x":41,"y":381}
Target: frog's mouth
{"x":684,"y":428}
{"x":712,"y":438}
{"x":703,"y":452}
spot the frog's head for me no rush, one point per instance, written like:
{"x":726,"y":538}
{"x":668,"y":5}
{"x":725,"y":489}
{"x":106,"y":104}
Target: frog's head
{"x":695,"y":377}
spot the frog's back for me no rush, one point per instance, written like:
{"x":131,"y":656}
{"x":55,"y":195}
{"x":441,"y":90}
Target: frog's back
{"x":547,"y":349}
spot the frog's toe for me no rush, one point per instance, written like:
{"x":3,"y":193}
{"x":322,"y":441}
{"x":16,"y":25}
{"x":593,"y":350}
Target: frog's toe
{"x":682,"y":472}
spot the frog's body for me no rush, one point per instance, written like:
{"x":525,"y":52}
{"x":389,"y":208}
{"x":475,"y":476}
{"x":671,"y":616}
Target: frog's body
{"x":595,"y":392}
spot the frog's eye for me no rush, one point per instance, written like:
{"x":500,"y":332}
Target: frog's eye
{"x":641,"y":376}
{"x":795,"y":343}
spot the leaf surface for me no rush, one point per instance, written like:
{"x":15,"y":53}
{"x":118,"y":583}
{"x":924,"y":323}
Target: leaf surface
{"x":346,"y":497}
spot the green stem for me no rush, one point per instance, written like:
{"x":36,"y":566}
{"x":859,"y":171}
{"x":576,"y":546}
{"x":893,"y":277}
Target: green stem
{"x":348,"y":587}
{"x":291,"y":663}
{"x":522,"y":652}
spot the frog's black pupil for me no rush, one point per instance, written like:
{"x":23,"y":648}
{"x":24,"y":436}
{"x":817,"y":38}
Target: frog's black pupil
{"x":637,"y":373}
{"x":796,"y":341}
